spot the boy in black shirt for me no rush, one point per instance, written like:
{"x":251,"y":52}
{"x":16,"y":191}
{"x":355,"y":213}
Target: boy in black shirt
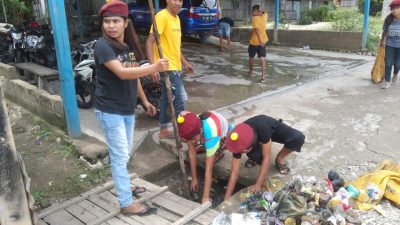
{"x":254,"y":137}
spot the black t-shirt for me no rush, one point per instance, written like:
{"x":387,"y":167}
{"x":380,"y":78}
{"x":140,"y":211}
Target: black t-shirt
{"x":263,"y":127}
{"x":227,"y":20}
{"x":114,"y":95}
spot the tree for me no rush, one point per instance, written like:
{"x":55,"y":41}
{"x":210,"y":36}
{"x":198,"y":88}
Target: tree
{"x":17,"y":11}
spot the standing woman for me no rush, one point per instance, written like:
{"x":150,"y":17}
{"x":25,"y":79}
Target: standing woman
{"x":117,"y":55}
{"x":391,"y":31}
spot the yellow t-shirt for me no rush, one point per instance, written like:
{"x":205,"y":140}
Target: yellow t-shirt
{"x":169,"y":29}
{"x":259,"y":22}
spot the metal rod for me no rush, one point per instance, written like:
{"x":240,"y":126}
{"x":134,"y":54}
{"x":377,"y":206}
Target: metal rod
{"x":61,"y":41}
{"x":365,"y":28}
{"x":277,"y":15}
{"x":171,"y":107}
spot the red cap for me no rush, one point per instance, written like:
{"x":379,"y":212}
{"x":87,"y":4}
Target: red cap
{"x":114,"y":8}
{"x":240,"y":138}
{"x":394,"y":4}
{"x":188,"y":125}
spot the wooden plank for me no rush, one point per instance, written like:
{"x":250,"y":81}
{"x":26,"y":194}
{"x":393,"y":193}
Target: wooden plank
{"x":143,"y":183}
{"x":41,"y":222}
{"x":142,"y":199}
{"x":116,"y":221}
{"x":62,"y":217}
{"x":151,"y":219}
{"x":80,"y":198}
{"x":81,"y":213}
{"x":182,"y":201}
{"x":167,"y":215}
{"x":92,"y":208}
{"x":104,"y":202}
{"x":181,"y":209}
{"x":193,"y":214}
{"x":129,"y":220}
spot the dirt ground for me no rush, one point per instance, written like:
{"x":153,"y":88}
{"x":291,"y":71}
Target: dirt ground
{"x":51,"y":160}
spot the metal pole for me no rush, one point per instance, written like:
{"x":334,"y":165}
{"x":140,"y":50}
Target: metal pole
{"x":365,"y":28}
{"x":60,"y":34}
{"x":157,"y":5}
{"x":80,"y":24}
{"x":4,"y":11}
{"x":276,"y":26}
{"x":186,"y":187}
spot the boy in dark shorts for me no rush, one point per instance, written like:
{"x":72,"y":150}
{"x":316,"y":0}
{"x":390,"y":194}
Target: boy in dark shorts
{"x":258,"y":39}
{"x":254,"y":137}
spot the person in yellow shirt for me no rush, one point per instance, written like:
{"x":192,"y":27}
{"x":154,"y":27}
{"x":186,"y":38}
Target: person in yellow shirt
{"x":169,"y":29}
{"x":258,"y":39}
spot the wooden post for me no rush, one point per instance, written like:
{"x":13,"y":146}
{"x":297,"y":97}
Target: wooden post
{"x":14,"y":186}
{"x":171,"y":106}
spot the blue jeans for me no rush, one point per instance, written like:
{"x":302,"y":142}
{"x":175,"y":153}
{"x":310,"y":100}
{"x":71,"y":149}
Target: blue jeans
{"x":179,"y":97}
{"x":118,"y":131}
{"x":392,"y":57}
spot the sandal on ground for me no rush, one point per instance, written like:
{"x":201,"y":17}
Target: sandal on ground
{"x":145,"y":211}
{"x":219,"y":157}
{"x":250,"y":163}
{"x":282,"y":168}
{"x":263,"y":80}
{"x":138,"y":190}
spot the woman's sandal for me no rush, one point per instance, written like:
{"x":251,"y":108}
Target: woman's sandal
{"x":147,"y":210}
{"x":138,"y":190}
{"x":250,"y":163}
{"x":282,"y":168}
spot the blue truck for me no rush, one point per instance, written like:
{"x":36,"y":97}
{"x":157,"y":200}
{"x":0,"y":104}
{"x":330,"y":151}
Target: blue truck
{"x":198,"y":17}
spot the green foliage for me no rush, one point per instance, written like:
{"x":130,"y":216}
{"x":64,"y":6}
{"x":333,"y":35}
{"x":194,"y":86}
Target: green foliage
{"x":283,"y":23}
{"x":305,"y":19}
{"x":346,"y":19}
{"x":375,"y":6}
{"x":373,"y":42}
{"x":17,"y":10}
{"x":321,"y":13}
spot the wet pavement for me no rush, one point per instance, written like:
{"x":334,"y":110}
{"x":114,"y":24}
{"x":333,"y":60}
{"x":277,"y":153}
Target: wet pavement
{"x":221,"y":79}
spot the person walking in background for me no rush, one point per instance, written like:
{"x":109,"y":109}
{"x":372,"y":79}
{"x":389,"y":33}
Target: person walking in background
{"x":258,"y":40}
{"x":207,"y":130}
{"x":254,"y":137}
{"x":169,"y":29}
{"x":391,"y":40}
{"x":117,"y":55}
{"x":225,"y":26}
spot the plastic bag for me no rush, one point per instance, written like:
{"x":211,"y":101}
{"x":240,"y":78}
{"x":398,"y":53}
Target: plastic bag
{"x":378,"y":70}
{"x":384,"y":182}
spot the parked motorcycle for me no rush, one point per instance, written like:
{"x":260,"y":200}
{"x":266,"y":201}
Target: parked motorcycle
{"x":39,"y":46}
{"x":151,"y":89}
{"x":17,"y":45}
{"x":85,"y":74}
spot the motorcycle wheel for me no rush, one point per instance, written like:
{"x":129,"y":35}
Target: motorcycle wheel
{"x":18,"y":56}
{"x":153,"y":93}
{"x":84,"y":94}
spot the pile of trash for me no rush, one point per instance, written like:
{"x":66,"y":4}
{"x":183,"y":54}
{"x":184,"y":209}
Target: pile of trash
{"x":307,"y":201}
